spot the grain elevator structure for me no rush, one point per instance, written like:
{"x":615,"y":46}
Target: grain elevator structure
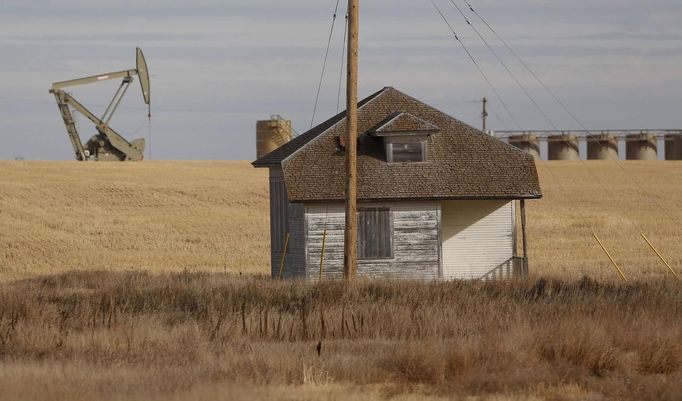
{"x":527,"y":142}
{"x":271,"y":134}
{"x":673,"y":147}
{"x":647,"y":144}
{"x":602,"y":147}
{"x":641,"y":146}
{"x":563,"y":147}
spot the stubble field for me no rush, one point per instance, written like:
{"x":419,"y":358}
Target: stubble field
{"x":145,"y":281}
{"x":151,"y":216}
{"x":213,"y":217}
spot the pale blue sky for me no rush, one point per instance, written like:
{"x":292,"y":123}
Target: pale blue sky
{"x":218,"y":66}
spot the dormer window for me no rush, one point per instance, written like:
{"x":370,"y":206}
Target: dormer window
{"x":405,"y":137}
{"x":405,"y":150}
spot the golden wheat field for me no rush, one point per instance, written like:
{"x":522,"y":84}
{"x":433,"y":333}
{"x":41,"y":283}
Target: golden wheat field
{"x":213,"y":217}
{"x":155,"y":216}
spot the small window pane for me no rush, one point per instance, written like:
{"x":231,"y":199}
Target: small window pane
{"x":406,"y":152}
{"x":375,"y":239}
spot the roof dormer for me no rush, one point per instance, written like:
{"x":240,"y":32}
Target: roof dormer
{"x":405,"y":137}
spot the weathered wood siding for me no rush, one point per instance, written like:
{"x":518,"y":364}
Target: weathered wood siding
{"x":285,"y":218}
{"x":416,"y":242}
{"x":294,"y":265}
{"x":278,"y":218}
{"x":477,"y":239}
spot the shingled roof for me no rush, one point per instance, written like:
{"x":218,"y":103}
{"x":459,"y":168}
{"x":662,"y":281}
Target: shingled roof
{"x":462,"y":162}
{"x":278,"y":155}
{"x":401,"y":123}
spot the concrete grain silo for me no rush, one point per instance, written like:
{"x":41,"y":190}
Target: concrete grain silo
{"x":271,"y":134}
{"x":563,"y":147}
{"x":641,"y":147}
{"x":602,"y":147}
{"x":673,"y":147}
{"x":529,"y":143}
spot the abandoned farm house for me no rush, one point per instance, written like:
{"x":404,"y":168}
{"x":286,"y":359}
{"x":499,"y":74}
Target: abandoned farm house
{"x":436,"y":197}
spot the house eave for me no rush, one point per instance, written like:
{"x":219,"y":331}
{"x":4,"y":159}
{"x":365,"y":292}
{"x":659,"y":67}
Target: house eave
{"x":256,"y":164}
{"x":422,"y":199}
{"x":402,"y":133}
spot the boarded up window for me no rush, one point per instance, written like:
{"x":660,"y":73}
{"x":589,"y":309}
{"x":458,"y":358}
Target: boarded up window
{"x":408,"y":151}
{"x":375,"y":234}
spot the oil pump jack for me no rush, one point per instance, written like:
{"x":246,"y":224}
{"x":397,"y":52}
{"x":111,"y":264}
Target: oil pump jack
{"x":107,"y":144}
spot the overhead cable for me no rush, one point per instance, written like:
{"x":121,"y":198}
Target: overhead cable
{"x":563,"y":105}
{"x":527,"y":67}
{"x":473,"y":60}
{"x":594,"y":176}
{"x":511,"y":74}
{"x":324,"y":64}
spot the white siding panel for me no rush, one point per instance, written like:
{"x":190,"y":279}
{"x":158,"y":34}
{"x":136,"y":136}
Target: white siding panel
{"x":477,"y":237}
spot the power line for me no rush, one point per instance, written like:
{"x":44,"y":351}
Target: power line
{"x":473,"y":60}
{"x":324,"y":64}
{"x":563,"y":105}
{"x":526,"y":66}
{"x":597,"y":180}
{"x":511,"y":74}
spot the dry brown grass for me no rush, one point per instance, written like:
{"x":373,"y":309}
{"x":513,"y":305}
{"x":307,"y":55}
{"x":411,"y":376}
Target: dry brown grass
{"x":213,"y":217}
{"x":110,"y":335}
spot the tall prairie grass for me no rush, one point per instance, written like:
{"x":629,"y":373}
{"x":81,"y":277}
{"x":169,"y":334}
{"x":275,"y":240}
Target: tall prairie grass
{"x":125,"y":335}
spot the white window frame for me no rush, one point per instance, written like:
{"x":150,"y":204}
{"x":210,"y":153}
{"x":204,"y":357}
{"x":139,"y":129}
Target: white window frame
{"x":406,"y":139}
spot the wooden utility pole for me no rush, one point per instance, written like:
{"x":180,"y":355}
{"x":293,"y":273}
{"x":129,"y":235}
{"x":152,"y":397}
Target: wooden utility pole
{"x":484,"y":115}
{"x":525,"y":241}
{"x":351,"y":235}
